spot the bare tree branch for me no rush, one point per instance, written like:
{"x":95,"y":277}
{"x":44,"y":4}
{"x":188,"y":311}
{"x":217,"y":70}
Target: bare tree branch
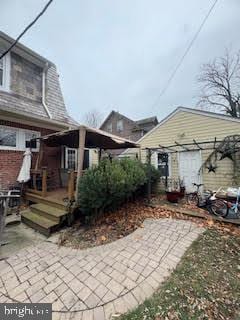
{"x":93,"y":118}
{"x":220,"y":82}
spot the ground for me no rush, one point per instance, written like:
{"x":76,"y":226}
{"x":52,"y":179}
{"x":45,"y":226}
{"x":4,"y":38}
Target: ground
{"x":99,"y":282}
{"x":119,"y":223}
{"x":205,"y":285}
{"x":18,"y":236}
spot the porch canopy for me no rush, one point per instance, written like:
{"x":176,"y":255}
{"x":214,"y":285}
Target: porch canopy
{"x":85,"y":137}
{"x":92,"y":138}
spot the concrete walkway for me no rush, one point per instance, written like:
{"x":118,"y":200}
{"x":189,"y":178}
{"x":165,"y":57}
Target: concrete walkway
{"x":96,"y":283}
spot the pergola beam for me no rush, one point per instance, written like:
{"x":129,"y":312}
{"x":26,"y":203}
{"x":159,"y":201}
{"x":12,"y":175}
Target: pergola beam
{"x":169,"y":148}
{"x":197,"y":144}
{"x":182,"y":146}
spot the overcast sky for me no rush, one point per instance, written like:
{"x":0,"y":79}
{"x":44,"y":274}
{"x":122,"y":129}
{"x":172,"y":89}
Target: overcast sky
{"x":118,"y":54}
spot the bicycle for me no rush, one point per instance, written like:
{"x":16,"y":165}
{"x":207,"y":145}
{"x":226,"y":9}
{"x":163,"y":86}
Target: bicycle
{"x":193,"y":198}
{"x":219,"y":207}
{"x":208,"y":200}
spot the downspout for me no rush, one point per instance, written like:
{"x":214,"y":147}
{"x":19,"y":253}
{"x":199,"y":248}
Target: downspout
{"x":44,"y":91}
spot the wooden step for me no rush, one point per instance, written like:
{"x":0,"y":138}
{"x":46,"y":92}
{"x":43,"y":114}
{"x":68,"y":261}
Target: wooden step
{"x":39,"y":223}
{"x":49,"y":212}
{"x":48,"y":201}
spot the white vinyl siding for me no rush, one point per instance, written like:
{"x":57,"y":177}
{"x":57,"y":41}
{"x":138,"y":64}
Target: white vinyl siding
{"x":183,"y":127}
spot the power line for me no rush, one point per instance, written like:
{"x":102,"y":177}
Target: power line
{"x":26,"y":29}
{"x":185,"y":53}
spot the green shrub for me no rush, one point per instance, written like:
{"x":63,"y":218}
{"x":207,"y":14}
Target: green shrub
{"x":136,"y":176}
{"x":108,"y":185}
{"x":154,"y":172}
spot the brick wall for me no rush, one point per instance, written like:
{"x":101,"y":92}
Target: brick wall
{"x":11,"y":161}
{"x":26,"y":78}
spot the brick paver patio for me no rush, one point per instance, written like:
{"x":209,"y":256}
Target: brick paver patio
{"x":94,"y":284}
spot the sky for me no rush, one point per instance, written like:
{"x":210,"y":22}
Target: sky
{"x":119,"y":54}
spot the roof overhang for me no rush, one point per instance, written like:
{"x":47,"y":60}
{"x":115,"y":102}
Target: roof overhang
{"x":38,"y":121}
{"x":23,"y":51}
{"x":95,"y":138}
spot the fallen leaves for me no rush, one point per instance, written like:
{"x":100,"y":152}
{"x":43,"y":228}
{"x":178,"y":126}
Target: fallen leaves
{"x":118,"y":224}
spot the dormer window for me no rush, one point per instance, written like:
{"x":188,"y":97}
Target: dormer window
{"x":5,"y":72}
{"x":109,"y":127}
{"x":119,"y":125}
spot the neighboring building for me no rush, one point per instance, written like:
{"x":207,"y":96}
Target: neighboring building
{"x":122,"y":126}
{"x":183,"y":126}
{"x":31,"y":105}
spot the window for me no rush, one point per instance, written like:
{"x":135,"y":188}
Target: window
{"x":71,"y":159}
{"x":18,"y":139}
{"x":71,"y":156}
{"x":119,"y":125}
{"x":5,"y":72}
{"x":8,"y":137}
{"x":29,"y":135}
{"x":163,"y":164}
{"x":109,"y":127}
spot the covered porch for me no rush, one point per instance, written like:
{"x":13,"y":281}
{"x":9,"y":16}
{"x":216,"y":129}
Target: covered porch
{"x":46,"y":189}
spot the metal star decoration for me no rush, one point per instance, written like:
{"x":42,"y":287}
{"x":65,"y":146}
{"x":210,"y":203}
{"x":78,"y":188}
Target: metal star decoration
{"x":212,"y":168}
{"x":228,"y":155}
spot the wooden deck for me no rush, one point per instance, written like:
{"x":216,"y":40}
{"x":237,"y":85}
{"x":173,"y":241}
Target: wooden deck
{"x":58,"y":196}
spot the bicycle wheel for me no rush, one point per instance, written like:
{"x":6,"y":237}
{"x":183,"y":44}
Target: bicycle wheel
{"x":193,"y":199}
{"x":219,"y":208}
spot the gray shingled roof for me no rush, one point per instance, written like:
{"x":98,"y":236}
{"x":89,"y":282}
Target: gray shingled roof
{"x":146,"y":120}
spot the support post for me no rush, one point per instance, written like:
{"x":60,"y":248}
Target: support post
{"x":99,"y":155}
{"x":140,"y":154}
{"x":70,"y":185}
{"x":44,"y":182}
{"x":39,"y":156}
{"x":149,"y":175}
{"x":82,"y":137}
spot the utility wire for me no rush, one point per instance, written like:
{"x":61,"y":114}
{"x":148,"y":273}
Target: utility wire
{"x":26,"y":29}
{"x":185,"y":54}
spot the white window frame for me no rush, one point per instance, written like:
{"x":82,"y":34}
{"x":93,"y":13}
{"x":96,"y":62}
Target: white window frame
{"x":155,"y":161}
{"x":20,"y":139}
{"x":65,"y":165}
{"x":6,"y":73}
{"x":66,"y":157}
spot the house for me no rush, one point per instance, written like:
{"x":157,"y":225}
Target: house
{"x":31,"y":105}
{"x":122,"y":126}
{"x":184,"y":140}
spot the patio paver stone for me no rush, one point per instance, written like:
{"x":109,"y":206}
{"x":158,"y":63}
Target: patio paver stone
{"x":100,"y":282}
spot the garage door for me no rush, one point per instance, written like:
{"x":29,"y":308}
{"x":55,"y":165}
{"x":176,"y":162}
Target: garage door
{"x":189,"y":165}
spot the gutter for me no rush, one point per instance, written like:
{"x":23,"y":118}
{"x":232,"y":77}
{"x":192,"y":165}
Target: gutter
{"x":44,"y":91}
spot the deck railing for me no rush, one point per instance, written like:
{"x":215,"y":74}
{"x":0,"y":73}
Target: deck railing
{"x":72,"y":183}
{"x":72,"y":175}
{"x":40,"y":181}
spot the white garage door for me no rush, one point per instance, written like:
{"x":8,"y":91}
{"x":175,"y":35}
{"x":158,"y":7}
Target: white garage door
{"x":189,"y":165}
